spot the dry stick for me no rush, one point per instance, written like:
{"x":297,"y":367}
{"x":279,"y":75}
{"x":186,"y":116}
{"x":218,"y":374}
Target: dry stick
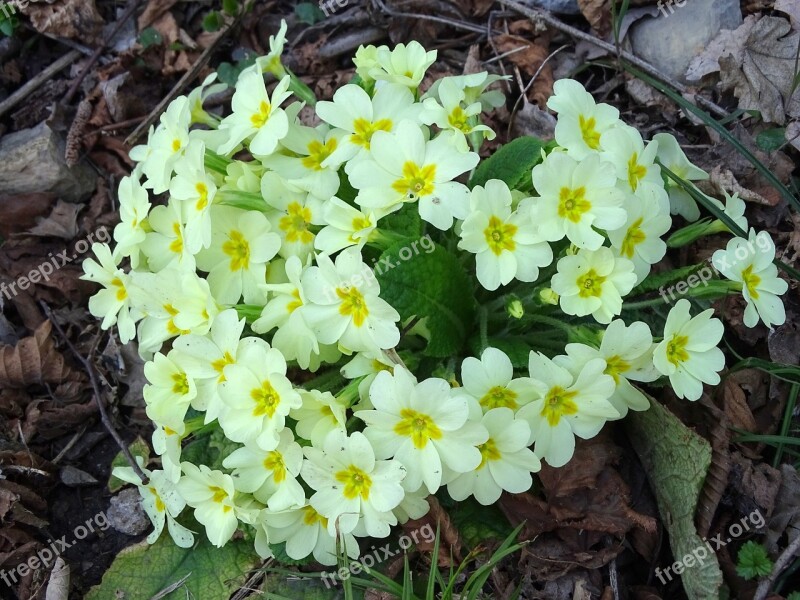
{"x":539,"y":15}
{"x":444,"y":20}
{"x":783,"y":561}
{"x":89,"y":367}
{"x":132,"y":6}
{"x":34,"y":84}
{"x":184,"y":81}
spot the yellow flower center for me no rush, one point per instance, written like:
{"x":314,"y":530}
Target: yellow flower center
{"x":219,"y":496}
{"x":633,"y":238}
{"x":312,"y":517}
{"x":558,"y":403}
{"x":317,"y":153}
{"x":260,"y":118}
{"x":615,"y":366}
{"x":417,"y":181}
{"x":267,"y":400}
{"x":176,"y":245}
{"x":220,"y":364}
{"x":500,"y":236}
{"x":418,"y":426}
{"x":296,"y":223}
{"x":499,"y":397}
{"x":751,"y":281}
{"x":378,"y":366}
{"x":202,"y":196}
{"x":295,"y":303}
{"x":363,"y":130}
{"x":458,"y":120}
{"x":590,"y":284}
{"x":274,"y":462}
{"x":122,"y":293}
{"x":176,"y":145}
{"x":353,"y":305}
{"x":572,"y":203}
{"x":488,"y":452}
{"x":636,"y":172}
{"x":676,"y":349}
{"x":180,"y":383}
{"x":160,"y":507}
{"x":238,"y":249}
{"x":356,"y":482}
{"x":589,"y":132}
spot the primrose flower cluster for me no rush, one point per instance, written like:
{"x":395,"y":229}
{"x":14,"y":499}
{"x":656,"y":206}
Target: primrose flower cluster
{"x":242,"y":268}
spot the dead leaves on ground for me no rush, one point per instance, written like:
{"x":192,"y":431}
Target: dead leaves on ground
{"x":73,"y":19}
{"x":582,"y":516}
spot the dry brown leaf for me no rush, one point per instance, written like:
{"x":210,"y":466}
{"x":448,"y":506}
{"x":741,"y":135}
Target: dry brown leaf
{"x":529,"y":56}
{"x":62,"y":222}
{"x":727,"y":43}
{"x":20,"y":212}
{"x":598,"y":13}
{"x":762,"y":75}
{"x":153,"y":11}
{"x":450,"y":540}
{"x":74,"y":19}
{"x":33,"y":361}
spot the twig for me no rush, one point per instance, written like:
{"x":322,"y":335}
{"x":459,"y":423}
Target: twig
{"x":26,"y":90}
{"x":444,"y":20}
{"x":132,"y":6}
{"x":89,"y":367}
{"x":783,"y":561}
{"x":539,"y":15}
{"x":185,"y":80}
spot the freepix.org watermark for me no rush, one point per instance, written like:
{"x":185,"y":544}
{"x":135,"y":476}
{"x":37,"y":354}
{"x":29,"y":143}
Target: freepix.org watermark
{"x":379,"y":555}
{"x":698,"y":556}
{"x":703,"y":276}
{"x":57,"y":261}
{"x":10,"y":8}
{"x":45,"y":557}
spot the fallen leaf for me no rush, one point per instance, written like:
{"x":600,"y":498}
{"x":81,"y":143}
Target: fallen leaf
{"x":153,"y":11}
{"x":677,"y":460}
{"x":58,"y":586}
{"x":784,"y":523}
{"x":598,"y":13}
{"x":762,"y":75}
{"x":727,"y":43}
{"x":62,"y":222}
{"x":791,"y":8}
{"x":450,"y":540}
{"x":529,"y":56}
{"x":34,"y":360}
{"x":19,"y":212}
{"x":74,"y":19}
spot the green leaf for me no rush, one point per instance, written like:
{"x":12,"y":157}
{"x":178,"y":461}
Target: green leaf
{"x":432,"y":286}
{"x":230,"y":7}
{"x":405,"y":222}
{"x":212,"y":21}
{"x":150,"y":37}
{"x":771,"y":140}
{"x":229,"y":74}
{"x":141,"y":571}
{"x":753,"y":561}
{"x":138,"y":448}
{"x":511,"y":163}
{"x":676,"y":461}
{"x":308,"y":12}
{"x":476,"y":522}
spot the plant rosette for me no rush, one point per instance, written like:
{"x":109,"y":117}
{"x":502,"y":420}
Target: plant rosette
{"x":310,"y":304}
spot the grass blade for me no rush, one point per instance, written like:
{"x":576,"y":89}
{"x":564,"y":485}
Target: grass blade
{"x":720,"y":129}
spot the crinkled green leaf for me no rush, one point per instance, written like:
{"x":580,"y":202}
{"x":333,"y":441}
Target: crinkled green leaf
{"x":677,"y":460}
{"x":475,"y":522}
{"x":511,"y":163}
{"x":430,"y":285}
{"x":141,"y":571}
